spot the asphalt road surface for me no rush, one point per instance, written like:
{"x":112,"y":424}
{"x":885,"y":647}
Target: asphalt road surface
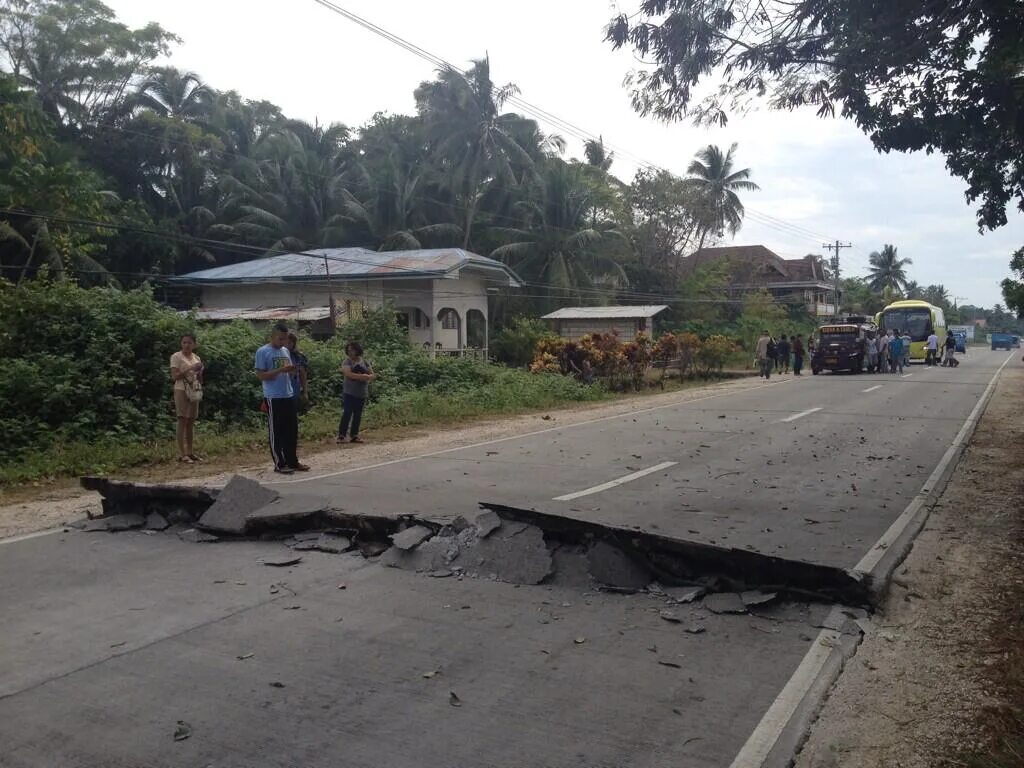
{"x":108,"y":641}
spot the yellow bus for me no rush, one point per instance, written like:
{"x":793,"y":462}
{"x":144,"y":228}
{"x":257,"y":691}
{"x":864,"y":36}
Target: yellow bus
{"x":918,"y":319}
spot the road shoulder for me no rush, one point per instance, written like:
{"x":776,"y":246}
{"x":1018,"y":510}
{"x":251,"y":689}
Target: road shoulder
{"x":931,"y":683}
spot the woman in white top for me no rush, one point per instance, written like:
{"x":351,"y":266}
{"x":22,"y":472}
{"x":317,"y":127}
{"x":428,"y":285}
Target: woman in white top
{"x":187,"y":374}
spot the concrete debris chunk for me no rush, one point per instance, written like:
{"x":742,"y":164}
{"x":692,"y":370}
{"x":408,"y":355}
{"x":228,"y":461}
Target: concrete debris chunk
{"x":240,"y":497}
{"x":487,"y":522}
{"x":289,"y":511}
{"x":411,"y":537}
{"x":684,"y":594}
{"x":156,"y":522}
{"x":333,"y":543}
{"x":754,"y":597}
{"x":282,"y":561}
{"x":725,"y":602}
{"x":515,"y":554}
{"x":115,"y":523}
{"x":612,"y":567}
{"x":373,"y":548}
{"x":196,"y":536}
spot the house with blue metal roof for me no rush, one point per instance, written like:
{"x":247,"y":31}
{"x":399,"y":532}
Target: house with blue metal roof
{"x":440,"y":294}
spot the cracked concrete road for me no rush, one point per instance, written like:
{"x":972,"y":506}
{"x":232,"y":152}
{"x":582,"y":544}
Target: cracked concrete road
{"x":110,"y":639}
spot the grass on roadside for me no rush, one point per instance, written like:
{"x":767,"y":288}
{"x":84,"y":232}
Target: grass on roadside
{"x":509,"y":393}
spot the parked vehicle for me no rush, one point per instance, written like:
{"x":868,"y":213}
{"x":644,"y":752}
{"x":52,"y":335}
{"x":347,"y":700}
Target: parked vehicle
{"x":841,"y":345}
{"x":917,"y":318}
{"x":1005,"y":341}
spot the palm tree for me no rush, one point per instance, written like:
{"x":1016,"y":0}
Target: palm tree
{"x":712,"y":176}
{"x":937,"y":295}
{"x":597,"y":155}
{"x":912,"y":290}
{"x":556,"y":243}
{"x":473,"y":140}
{"x":172,"y":93}
{"x":887,"y":270}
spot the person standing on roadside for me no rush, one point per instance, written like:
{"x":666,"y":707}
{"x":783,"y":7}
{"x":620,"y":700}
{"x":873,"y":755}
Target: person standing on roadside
{"x":950,"y":359}
{"x":870,"y":354}
{"x":931,"y":349}
{"x":274,"y":368}
{"x":782,"y":352}
{"x":355,"y":389}
{"x":762,"y":353}
{"x":187,"y":375}
{"x":895,"y":352}
{"x":300,"y":378}
{"x":906,"y":348}
{"x":797,"y":344}
{"x":882,"y":347}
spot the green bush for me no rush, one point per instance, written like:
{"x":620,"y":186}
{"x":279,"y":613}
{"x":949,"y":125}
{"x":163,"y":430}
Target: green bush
{"x":515,"y":344}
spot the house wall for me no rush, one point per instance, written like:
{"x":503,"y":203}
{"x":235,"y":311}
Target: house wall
{"x":362,"y":294}
{"x":576,"y":329}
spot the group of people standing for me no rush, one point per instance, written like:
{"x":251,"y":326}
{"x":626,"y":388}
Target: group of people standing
{"x":283,"y":372}
{"x":780,"y":354}
{"x":887,"y":353}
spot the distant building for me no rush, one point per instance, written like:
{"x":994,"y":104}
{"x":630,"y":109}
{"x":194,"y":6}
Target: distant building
{"x":754,"y":268}
{"x":627,"y":321}
{"x":440,"y":295}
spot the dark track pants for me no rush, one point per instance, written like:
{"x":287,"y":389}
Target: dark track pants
{"x":283,"y":424}
{"x":351,"y":412}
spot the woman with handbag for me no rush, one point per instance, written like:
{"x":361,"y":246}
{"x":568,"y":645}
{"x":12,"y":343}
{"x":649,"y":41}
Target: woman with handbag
{"x":187,"y":375}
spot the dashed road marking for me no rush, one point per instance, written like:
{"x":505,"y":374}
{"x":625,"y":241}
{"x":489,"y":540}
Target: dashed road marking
{"x":800,"y":415}
{"x":617,"y":482}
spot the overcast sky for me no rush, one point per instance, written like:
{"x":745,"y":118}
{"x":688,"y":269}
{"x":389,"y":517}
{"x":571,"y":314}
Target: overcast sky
{"x":820,"y":176}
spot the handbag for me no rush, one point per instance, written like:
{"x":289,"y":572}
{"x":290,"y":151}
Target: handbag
{"x":194,"y":390}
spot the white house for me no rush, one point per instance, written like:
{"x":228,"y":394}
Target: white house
{"x":627,"y":321}
{"x":440,"y":295}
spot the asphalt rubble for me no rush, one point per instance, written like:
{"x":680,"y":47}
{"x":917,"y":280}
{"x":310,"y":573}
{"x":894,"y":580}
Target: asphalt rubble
{"x":500,"y":543}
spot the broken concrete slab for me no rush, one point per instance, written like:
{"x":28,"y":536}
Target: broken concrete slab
{"x":240,"y":498}
{"x":282,"y":561}
{"x":183,"y":504}
{"x":156,"y":522}
{"x":286,"y":512}
{"x":612,"y":567}
{"x":113,"y":523}
{"x":752,"y":597}
{"x":196,"y":536}
{"x":411,"y":537}
{"x":680,"y":561}
{"x":487,"y":522}
{"x":684,"y":594}
{"x":516,"y":554}
{"x":333,"y":543}
{"x":724,"y":602}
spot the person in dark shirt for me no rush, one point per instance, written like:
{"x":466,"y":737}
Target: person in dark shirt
{"x":782,"y":352}
{"x":797,"y":345}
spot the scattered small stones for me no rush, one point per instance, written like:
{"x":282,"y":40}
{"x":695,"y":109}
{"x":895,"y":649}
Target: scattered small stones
{"x":670,"y":664}
{"x":580,"y":640}
{"x":670,"y":616}
{"x":245,"y":656}
{"x":276,"y":684}
{"x":453,"y":699}
{"x":684,"y":594}
{"x":695,"y":629}
{"x":182,"y":731}
{"x":115,"y":523}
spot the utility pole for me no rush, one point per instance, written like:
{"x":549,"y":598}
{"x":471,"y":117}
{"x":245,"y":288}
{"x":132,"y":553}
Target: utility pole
{"x":332,"y":305}
{"x":834,"y":263}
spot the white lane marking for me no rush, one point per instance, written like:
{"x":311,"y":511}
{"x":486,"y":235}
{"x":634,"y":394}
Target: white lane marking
{"x":875,"y":554}
{"x":545,"y":431}
{"x":800,"y":415}
{"x":761,"y":742}
{"x":872,"y":389}
{"x":27,"y":536}
{"x":613,"y":483}
{"x":906,"y":375}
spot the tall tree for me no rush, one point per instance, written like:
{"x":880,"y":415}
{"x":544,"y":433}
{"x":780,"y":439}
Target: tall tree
{"x":596,"y":155}
{"x":937,"y":295}
{"x":472,"y":138}
{"x":887,"y":270}
{"x":712,"y":175}
{"x":946,"y":76}
{"x":1013,"y":287}
{"x":172,"y":93}
{"x":75,"y":55}
{"x":556,"y":243}
{"x":912,"y":290}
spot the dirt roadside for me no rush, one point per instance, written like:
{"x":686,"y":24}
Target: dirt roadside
{"x":939,"y":681}
{"x":51,"y":507}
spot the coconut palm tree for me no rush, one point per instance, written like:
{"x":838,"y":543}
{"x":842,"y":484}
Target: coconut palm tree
{"x":172,"y":93}
{"x":887,"y":269}
{"x":937,"y":295}
{"x":596,"y":155}
{"x":474,"y":142}
{"x":712,"y":177}
{"x":556,"y":243}
{"x":912,"y":290}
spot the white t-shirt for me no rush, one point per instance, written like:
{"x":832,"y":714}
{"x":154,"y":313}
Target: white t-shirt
{"x":181,"y":363}
{"x":933,"y":342}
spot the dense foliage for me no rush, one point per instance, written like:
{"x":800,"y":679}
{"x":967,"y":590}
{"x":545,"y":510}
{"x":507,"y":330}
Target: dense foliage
{"x":938,"y":76}
{"x":114,"y":169}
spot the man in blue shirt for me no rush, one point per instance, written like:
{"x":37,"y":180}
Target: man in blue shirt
{"x":274,"y":368}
